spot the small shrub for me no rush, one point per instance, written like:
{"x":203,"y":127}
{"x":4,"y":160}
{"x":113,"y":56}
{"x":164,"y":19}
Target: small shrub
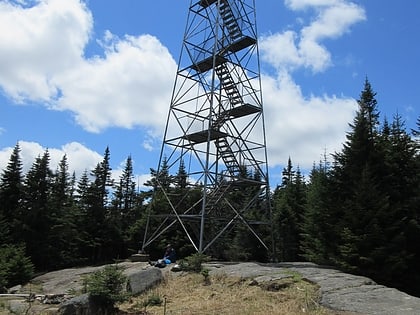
{"x":153,"y":300}
{"x":194,"y":262}
{"x":15,"y":267}
{"x":206,"y":274}
{"x":105,"y":286}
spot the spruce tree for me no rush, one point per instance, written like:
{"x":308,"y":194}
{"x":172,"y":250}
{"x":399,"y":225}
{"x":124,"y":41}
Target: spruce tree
{"x":37,"y":216}
{"x":374,"y":181}
{"x":356,"y":178}
{"x":181,"y":178}
{"x":11,"y":191}
{"x":82,"y":217}
{"x":124,"y":195}
{"x":289,"y":201}
{"x":123,"y":208}
{"x":400,"y":180}
{"x":64,"y":229}
{"x":416,"y":132}
{"x":100,"y":230}
{"x":317,"y":224}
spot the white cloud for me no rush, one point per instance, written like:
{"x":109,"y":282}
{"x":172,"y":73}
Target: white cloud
{"x":302,"y":127}
{"x":295,"y":49}
{"x":79,"y":157}
{"x":303,"y":4}
{"x":129,"y":86}
{"x":38,"y":42}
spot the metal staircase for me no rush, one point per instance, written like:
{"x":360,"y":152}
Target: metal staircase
{"x":230,"y":21}
{"x":214,"y":198}
{"x":228,"y":156}
{"x":228,"y":85}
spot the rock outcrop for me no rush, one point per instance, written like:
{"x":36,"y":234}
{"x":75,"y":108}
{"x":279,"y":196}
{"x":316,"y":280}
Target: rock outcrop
{"x":68,"y":285}
{"x":339,"y":291}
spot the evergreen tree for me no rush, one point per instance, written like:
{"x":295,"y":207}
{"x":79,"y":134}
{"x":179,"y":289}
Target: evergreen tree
{"x":11,"y":191}
{"x":416,"y":132}
{"x":289,"y":201}
{"x":400,"y":180}
{"x":36,"y":213}
{"x":102,"y":181}
{"x":62,"y":187}
{"x":374,"y":180}
{"x":181,"y":178}
{"x":160,"y":179}
{"x":5,"y":237}
{"x":241,"y":244}
{"x":359,"y":198}
{"x":64,"y":229}
{"x":123,"y":210}
{"x":82,"y":218}
{"x":317,"y":224}
{"x":100,"y":230}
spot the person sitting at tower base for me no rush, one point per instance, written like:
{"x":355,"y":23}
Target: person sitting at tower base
{"x":169,"y":257}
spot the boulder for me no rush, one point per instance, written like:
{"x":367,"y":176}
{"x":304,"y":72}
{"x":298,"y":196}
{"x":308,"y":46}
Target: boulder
{"x":139,"y":281}
{"x":83,"y":305}
{"x":78,"y":305}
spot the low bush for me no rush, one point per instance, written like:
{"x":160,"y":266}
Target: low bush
{"x":15,"y":267}
{"x":194,"y":262}
{"x":105,"y":286}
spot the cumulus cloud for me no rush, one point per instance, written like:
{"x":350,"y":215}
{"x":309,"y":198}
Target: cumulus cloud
{"x":37,"y":43}
{"x":293,"y":49}
{"x":303,"y":4}
{"x":303,"y":126}
{"x":129,"y":86}
{"x":80,"y":157}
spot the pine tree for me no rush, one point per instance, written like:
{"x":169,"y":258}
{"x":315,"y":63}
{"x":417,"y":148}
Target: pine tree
{"x":181,"y":178}
{"x":123,"y":209}
{"x":98,"y":201}
{"x":11,"y":191}
{"x":64,"y":229}
{"x":102,"y":181}
{"x":365,"y":183}
{"x":400,"y":180}
{"x":289,"y":201}
{"x":416,"y":132}
{"x":159,"y":180}
{"x":83,"y":220}
{"x":356,"y":176}
{"x":125,"y":194}
{"x":317,"y":224}
{"x":36,"y":213}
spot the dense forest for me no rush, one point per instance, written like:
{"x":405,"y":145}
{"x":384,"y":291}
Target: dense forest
{"x":358,"y":211}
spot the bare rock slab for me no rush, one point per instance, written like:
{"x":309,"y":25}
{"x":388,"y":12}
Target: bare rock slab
{"x":339,"y":291}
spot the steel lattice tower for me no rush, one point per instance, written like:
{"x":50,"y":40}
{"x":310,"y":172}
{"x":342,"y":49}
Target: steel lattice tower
{"x":215,"y":129}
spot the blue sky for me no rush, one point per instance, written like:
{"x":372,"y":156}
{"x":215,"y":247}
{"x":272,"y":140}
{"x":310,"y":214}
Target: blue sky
{"x":77,"y":76}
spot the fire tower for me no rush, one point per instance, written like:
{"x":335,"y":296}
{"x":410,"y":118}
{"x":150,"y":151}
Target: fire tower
{"x":214,"y":142}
